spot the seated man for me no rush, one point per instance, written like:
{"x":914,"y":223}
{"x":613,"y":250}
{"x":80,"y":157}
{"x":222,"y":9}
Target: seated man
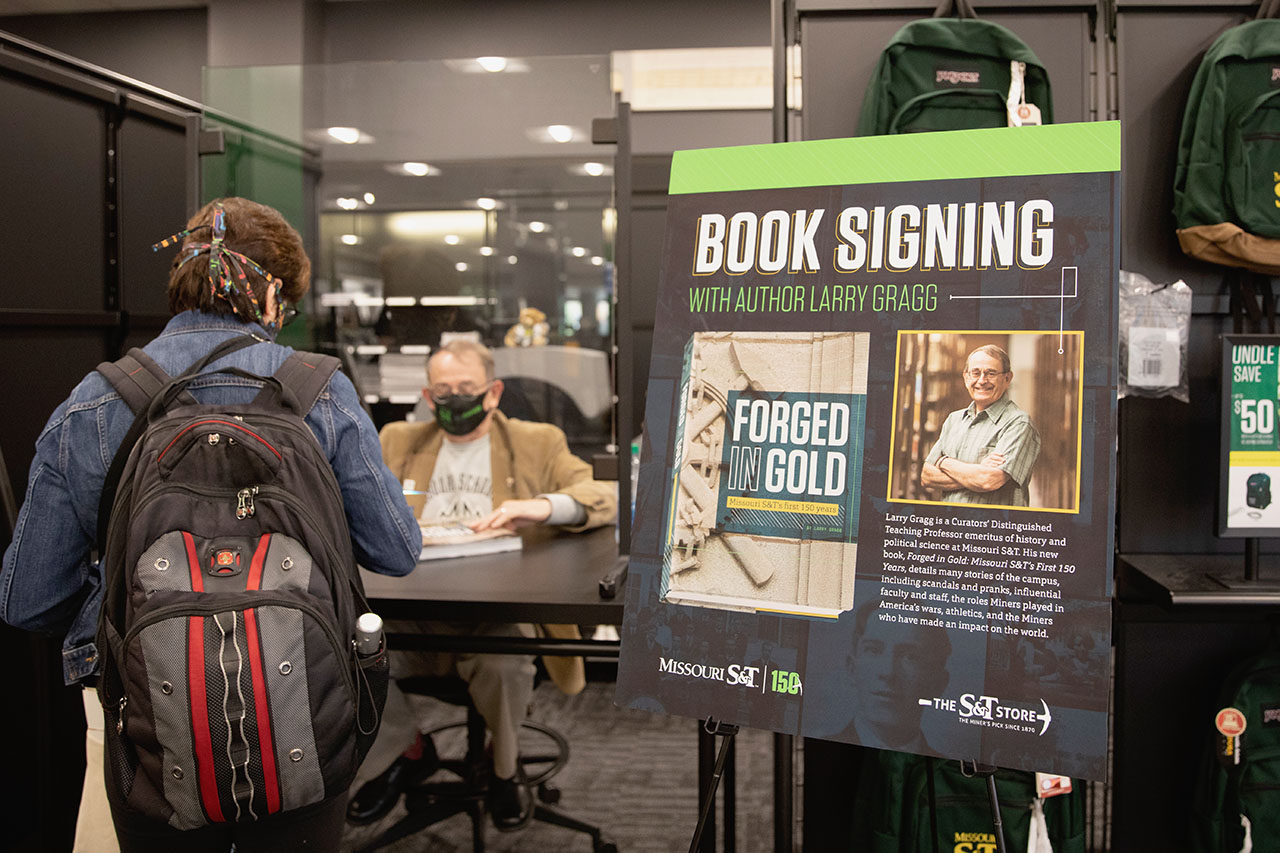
{"x":474,"y":464}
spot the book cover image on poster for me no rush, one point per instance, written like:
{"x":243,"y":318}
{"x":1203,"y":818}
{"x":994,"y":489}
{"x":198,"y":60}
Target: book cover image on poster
{"x":768,"y":472}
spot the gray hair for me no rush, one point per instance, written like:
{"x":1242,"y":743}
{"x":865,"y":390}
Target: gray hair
{"x":996,"y":353}
{"x":462,"y":348}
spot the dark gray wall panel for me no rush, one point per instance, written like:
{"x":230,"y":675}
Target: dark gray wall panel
{"x":649,"y":228}
{"x":412,"y":30}
{"x":663,"y":132}
{"x":642,"y":341}
{"x":1168,"y":465}
{"x":649,"y":180}
{"x":152,"y":206}
{"x":51,"y":248}
{"x":164,"y":48}
{"x":43,"y":365}
{"x":840,"y":51}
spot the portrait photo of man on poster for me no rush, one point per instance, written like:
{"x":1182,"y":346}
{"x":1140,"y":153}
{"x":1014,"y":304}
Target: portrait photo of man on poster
{"x":988,"y":418}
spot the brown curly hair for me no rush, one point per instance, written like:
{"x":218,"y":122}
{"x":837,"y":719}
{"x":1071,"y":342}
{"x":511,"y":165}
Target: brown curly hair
{"x":254,"y":230}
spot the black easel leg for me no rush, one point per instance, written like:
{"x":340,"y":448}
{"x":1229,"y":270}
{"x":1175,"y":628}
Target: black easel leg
{"x":996,"y":820}
{"x":730,"y":811}
{"x":706,"y":770}
{"x":783,"y":799}
{"x":933,"y":803}
{"x":971,"y":769}
{"x":727,"y":731}
{"x":1251,"y":557}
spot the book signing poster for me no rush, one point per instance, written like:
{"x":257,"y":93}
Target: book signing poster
{"x":876,"y":495}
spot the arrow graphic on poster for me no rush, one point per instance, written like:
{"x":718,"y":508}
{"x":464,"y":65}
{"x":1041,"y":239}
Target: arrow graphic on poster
{"x":1046,"y":716}
{"x":1062,"y":296}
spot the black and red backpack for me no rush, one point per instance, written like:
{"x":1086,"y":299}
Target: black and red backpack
{"x":230,"y":681}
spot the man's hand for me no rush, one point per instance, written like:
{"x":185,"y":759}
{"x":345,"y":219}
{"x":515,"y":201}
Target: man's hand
{"x":993,"y":460}
{"x":512,"y":515}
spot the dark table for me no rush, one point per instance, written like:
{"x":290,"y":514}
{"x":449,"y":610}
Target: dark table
{"x":555,"y":581}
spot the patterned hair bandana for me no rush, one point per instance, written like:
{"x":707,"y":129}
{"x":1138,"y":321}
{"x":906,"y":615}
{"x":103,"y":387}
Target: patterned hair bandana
{"x":226,"y":267}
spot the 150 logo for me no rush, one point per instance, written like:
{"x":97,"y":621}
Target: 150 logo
{"x":782,"y":681}
{"x":736,"y":675}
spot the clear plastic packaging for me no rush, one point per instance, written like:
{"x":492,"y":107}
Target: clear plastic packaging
{"x":1155,"y":326}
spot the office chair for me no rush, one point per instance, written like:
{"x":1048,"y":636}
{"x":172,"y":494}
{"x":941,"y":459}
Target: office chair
{"x":434,"y":800}
{"x":533,"y":399}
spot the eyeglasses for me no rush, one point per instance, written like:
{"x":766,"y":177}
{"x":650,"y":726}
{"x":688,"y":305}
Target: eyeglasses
{"x":975,"y":373}
{"x":466,"y":389}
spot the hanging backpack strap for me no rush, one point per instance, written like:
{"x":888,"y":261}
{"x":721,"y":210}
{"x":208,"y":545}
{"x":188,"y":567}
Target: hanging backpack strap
{"x":1253,"y":303}
{"x":138,"y":379}
{"x":306,"y":374}
{"x":964,"y":9}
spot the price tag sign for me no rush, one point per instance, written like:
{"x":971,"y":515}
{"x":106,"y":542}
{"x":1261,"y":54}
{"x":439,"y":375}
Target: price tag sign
{"x":1250,"y":437}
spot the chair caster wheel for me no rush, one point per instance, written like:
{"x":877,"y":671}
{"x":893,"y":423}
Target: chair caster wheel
{"x":605,"y":847}
{"x":548,"y":794}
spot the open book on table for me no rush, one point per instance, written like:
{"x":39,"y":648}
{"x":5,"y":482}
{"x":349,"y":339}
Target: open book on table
{"x":447,"y":538}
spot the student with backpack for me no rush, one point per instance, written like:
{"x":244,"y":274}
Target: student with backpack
{"x":236,"y":702}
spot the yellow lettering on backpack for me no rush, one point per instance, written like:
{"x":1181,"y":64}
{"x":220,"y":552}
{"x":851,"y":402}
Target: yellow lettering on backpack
{"x":974,"y":842}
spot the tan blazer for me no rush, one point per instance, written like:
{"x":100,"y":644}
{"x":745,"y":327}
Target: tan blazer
{"x":526,"y":460}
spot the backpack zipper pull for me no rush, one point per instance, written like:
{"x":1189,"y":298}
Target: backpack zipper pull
{"x":244,"y":502}
{"x":120,"y":715}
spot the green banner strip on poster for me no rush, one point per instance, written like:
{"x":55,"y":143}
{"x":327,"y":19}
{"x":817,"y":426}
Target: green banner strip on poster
{"x":1053,"y":149}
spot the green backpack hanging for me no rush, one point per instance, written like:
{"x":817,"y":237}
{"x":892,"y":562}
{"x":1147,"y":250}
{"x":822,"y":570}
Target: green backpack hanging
{"x":1227,"y":181}
{"x":913,"y":803}
{"x":945,"y":73}
{"x":1237,"y":794}
{"x":962,"y":812}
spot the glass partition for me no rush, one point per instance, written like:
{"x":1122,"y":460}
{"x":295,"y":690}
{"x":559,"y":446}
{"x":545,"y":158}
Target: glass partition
{"x":440,"y":198}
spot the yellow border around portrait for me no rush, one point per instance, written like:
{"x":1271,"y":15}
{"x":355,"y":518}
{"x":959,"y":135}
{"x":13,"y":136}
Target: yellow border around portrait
{"x":893,"y":423}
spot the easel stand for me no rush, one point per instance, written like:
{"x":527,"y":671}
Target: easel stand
{"x":973,"y":768}
{"x":1251,"y":558}
{"x":726,"y":731}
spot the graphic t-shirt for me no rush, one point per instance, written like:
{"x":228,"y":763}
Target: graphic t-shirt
{"x":461,"y":484}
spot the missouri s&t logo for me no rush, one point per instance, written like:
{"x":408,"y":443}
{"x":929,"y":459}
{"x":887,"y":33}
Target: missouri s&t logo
{"x":975,"y":842}
{"x":737,"y":675}
{"x":991,"y":711}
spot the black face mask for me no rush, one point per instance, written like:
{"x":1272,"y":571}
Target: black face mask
{"x":459,"y":414}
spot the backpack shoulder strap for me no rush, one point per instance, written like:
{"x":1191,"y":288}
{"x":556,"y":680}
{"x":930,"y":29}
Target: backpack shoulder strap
{"x":307,"y":374}
{"x":136,"y":378}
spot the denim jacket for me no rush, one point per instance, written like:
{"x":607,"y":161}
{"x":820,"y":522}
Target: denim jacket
{"x":48,"y":582}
